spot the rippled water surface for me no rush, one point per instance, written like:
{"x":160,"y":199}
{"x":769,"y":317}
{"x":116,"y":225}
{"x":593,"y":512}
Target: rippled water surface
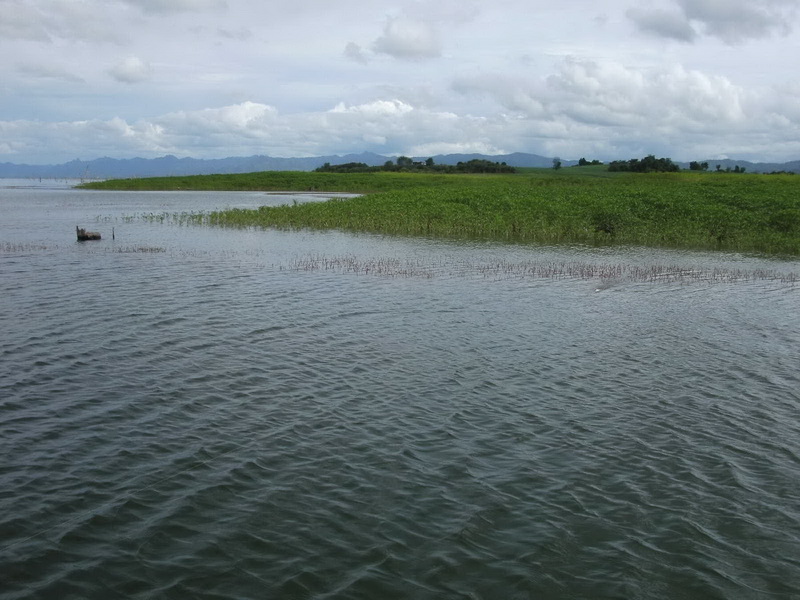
{"x":192,"y":412}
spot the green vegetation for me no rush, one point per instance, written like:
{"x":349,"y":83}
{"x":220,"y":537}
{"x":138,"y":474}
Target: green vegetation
{"x":277,"y":181}
{"x":588,"y":205}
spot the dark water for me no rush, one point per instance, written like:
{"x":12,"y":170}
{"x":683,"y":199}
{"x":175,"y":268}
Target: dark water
{"x":190,"y":412}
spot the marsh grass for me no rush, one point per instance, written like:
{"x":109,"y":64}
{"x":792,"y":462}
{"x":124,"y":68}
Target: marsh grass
{"x":732,"y":213}
{"x":742,"y":213}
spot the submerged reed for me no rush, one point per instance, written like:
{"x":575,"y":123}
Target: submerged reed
{"x":605,"y":274}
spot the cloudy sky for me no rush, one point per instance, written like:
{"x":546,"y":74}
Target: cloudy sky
{"x":687,"y":79}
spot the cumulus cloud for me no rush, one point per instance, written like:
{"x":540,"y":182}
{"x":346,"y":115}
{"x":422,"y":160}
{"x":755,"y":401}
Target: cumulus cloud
{"x":604,"y":107}
{"x":408,"y":39}
{"x":131,"y":70}
{"x":378,"y":107}
{"x":584,"y":108}
{"x":247,"y":119}
{"x":732,"y":21}
{"x":609,"y":94}
{"x":389,"y":126}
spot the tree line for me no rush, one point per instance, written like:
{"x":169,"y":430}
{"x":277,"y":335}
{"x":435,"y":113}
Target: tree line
{"x":648,"y":164}
{"x":405,"y":164}
{"x":651,"y":164}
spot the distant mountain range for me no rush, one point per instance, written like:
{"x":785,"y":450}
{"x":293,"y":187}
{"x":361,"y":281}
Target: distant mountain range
{"x":110,"y":168}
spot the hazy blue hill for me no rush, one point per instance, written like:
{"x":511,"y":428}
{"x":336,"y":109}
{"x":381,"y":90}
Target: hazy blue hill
{"x":751,"y":167}
{"x":106,"y":168}
{"x":517,"y":159}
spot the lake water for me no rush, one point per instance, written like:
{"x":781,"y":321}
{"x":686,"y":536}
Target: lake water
{"x":197,"y":412}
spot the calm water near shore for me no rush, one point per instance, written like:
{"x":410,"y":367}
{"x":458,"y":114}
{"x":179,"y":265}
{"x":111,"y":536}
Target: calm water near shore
{"x":195,"y":412}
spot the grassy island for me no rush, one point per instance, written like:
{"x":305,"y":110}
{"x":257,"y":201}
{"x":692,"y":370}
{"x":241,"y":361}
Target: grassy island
{"x":736,"y":212}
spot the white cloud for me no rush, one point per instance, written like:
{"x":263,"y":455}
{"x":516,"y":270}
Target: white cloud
{"x":220,"y":78}
{"x":587,"y":109}
{"x":609,"y":94}
{"x":620,"y":111}
{"x":131,"y":70}
{"x":408,"y":39}
{"x":377,"y":108}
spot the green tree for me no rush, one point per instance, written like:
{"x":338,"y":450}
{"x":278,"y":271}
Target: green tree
{"x":647,"y":164}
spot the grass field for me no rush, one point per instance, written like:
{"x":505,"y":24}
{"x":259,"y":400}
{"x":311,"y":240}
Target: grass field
{"x":737,"y":212}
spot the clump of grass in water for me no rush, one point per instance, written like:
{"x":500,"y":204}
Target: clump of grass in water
{"x":139,"y":249}
{"x":606,"y":274}
{"x":169,"y":218}
{"x":21,"y":247}
{"x":387,"y":267}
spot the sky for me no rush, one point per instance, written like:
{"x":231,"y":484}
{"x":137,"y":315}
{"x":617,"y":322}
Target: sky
{"x":684,"y":79}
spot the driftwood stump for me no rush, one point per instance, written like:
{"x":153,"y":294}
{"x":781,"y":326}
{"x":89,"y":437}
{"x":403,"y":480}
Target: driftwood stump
{"x":84,"y":235}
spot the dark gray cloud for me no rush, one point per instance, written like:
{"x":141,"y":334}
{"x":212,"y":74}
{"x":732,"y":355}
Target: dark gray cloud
{"x":736,"y":21}
{"x":732,"y":21}
{"x":355,"y":53}
{"x":663,"y":23}
{"x":170,"y":6}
